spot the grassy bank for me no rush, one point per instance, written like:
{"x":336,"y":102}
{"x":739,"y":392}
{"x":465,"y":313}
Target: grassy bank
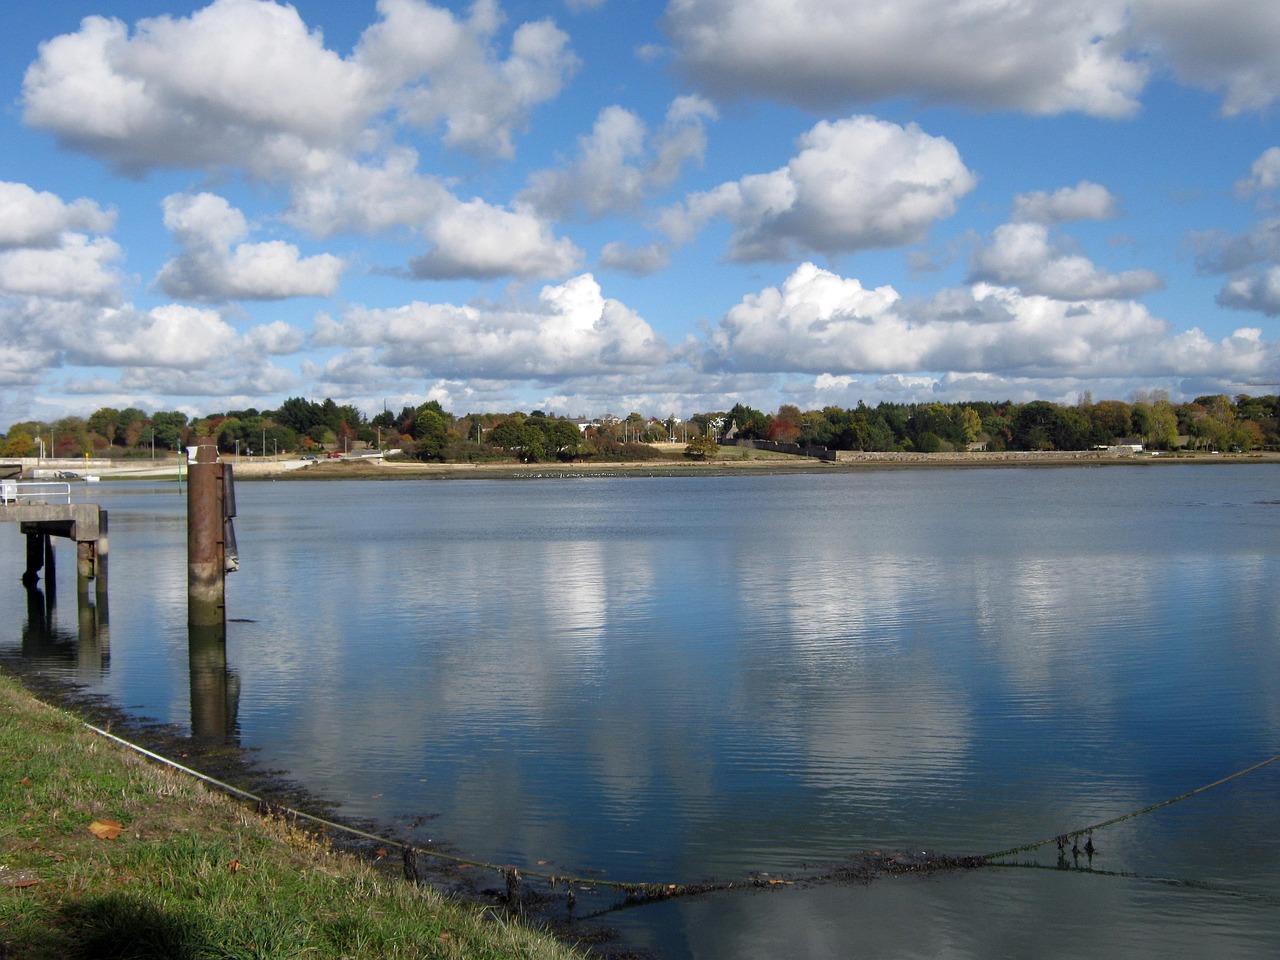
{"x":103,"y":854}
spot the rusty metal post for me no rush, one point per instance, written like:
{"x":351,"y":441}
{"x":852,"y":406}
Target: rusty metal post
{"x":206,"y":577}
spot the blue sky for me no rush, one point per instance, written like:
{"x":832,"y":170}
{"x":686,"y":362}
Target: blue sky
{"x":591,"y":206}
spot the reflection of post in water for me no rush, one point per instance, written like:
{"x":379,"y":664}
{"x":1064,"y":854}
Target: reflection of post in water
{"x":41,"y":615}
{"x":215,"y":690}
{"x":94,"y":649}
{"x":42,"y":638}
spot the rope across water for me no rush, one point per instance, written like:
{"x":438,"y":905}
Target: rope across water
{"x":863,"y":869}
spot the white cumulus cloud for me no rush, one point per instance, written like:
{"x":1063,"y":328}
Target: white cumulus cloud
{"x":480,"y":241}
{"x":620,"y":163}
{"x":1084,"y":201}
{"x":170,"y":336}
{"x":37,"y":218}
{"x":640,"y":261}
{"x":1021,"y":255}
{"x":214,"y":265}
{"x":78,"y":269}
{"x":1230,"y":47}
{"x":1251,"y":260}
{"x":573,"y":329}
{"x":1254,"y":290}
{"x":1264,"y":175}
{"x":856,"y":184}
{"x":823,"y":324}
{"x":446,"y":70}
{"x":1038,"y":56}
{"x":201,"y":91}
{"x":243,"y":83}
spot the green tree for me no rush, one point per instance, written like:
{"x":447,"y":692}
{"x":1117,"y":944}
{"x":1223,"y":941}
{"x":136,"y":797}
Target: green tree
{"x":701,"y":447}
{"x":520,"y":438}
{"x":1034,"y":426}
{"x":129,"y":426}
{"x":896,"y":418}
{"x":103,"y":422}
{"x":1164,"y":427}
{"x":299,"y":415}
{"x":931,"y":418}
{"x":18,"y":444}
{"x":169,"y":426}
{"x":749,"y":421}
{"x":1112,"y":420}
{"x":633,"y":427}
{"x":563,"y":438}
{"x":432,"y":434}
{"x":966,"y":425}
{"x":928,"y":442}
{"x":817,"y":430}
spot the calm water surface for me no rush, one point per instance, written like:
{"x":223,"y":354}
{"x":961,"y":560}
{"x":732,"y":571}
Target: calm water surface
{"x":667,"y":680}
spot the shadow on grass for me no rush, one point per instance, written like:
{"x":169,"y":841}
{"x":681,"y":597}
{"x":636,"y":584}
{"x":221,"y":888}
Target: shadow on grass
{"x":121,"y":928}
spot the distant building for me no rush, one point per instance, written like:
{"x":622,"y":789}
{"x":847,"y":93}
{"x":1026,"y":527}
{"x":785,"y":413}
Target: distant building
{"x":1126,"y":445}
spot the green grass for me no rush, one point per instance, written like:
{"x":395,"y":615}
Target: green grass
{"x":194,"y":875}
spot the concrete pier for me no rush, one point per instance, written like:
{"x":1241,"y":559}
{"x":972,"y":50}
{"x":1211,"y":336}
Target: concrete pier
{"x":85,"y":524}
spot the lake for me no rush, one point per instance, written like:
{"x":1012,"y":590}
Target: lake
{"x":670,"y":680}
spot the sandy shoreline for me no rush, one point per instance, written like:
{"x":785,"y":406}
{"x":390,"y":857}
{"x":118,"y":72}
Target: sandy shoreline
{"x":848,"y":461}
{"x":729,"y":463}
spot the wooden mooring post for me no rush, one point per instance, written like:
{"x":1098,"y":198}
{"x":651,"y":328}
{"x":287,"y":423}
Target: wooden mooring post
{"x":211,"y":553}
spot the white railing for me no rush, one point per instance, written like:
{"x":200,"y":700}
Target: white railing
{"x":18,"y":491}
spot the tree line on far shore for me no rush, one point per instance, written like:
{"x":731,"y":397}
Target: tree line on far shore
{"x":429,"y":432}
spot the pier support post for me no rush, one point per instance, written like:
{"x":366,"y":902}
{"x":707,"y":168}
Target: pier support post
{"x":206,"y":571}
{"x":91,"y":560}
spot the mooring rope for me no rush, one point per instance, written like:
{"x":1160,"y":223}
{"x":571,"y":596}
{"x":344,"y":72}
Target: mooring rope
{"x":511,"y":874}
{"x":1084,"y":831}
{"x":862,"y":870}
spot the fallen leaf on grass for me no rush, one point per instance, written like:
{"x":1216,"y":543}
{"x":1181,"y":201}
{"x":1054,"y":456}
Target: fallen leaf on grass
{"x":105,"y":829}
{"x":17,"y":878}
